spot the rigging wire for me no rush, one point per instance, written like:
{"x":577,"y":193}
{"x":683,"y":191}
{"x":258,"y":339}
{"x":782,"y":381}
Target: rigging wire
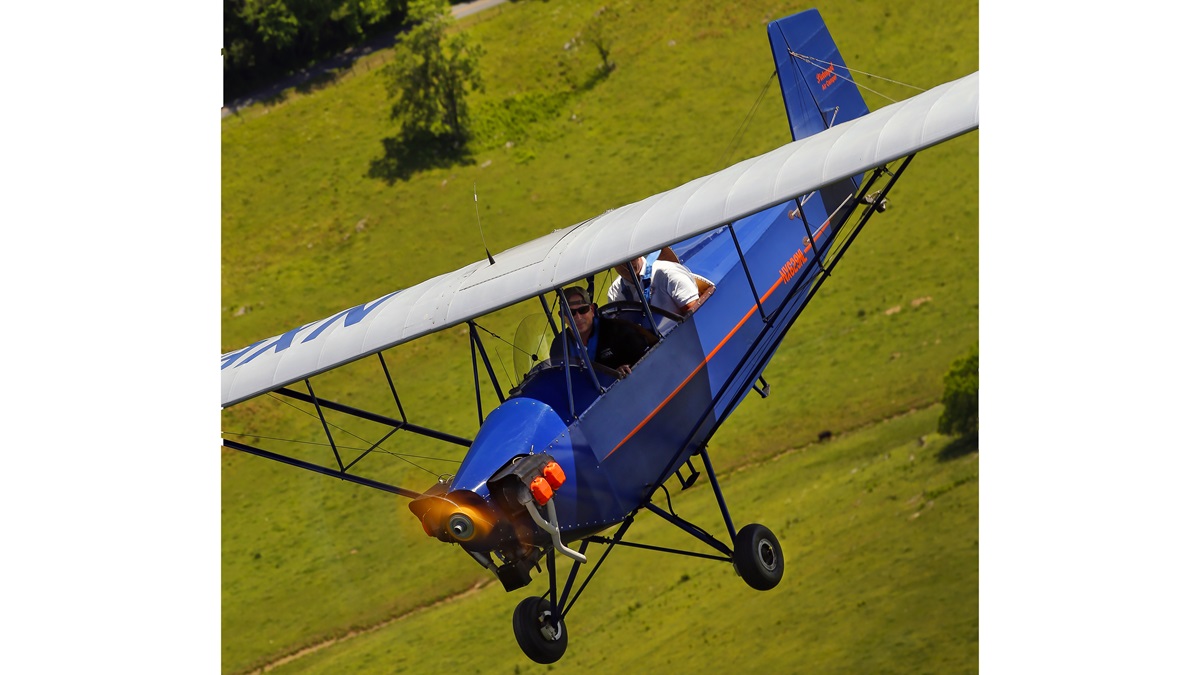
{"x":821,"y":63}
{"x":511,"y":376}
{"x":323,"y":444}
{"x":352,"y":434}
{"x":480,"y":327}
{"x":745,"y":126}
{"x":500,"y":359}
{"x":475,"y":193}
{"x":379,"y":448}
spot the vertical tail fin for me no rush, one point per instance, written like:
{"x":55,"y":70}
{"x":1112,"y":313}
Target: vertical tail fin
{"x":818,"y":93}
{"x":818,"y":90}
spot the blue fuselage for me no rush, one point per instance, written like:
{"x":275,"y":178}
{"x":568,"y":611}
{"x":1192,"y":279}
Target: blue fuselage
{"x":625,"y":440}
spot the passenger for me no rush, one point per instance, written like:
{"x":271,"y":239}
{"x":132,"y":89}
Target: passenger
{"x":666,"y":285}
{"x":615,"y":343}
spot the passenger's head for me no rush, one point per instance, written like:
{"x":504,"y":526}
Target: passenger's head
{"x":639,"y":263}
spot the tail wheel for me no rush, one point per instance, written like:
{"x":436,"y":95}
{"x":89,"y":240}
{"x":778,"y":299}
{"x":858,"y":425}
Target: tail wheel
{"x":757,"y":557}
{"x":542,"y":640}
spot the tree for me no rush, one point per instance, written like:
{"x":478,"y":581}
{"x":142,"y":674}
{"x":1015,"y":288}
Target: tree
{"x":961,"y":397}
{"x":431,"y":73}
{"x":597,"y":32}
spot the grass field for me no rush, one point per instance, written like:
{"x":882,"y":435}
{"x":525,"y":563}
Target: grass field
{"x":879,"y":533}
{"x":314,"y":219}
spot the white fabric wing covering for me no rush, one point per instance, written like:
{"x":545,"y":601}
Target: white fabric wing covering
{"x":564,"y":256}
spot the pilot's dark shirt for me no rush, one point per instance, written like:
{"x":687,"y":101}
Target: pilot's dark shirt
{"x":618,"y":342}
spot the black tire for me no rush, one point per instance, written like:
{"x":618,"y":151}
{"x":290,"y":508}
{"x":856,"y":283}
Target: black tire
{"x":757,"y":557}
{"x":531,"y":624}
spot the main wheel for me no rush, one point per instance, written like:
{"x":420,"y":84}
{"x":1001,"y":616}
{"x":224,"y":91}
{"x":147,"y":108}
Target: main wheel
{"x":541,"y":640}
{"x":757,"y":557}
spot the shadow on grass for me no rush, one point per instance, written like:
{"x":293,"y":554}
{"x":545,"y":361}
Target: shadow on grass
{"x":404,"y":157}
{"x":597,"y":76}
{"x":274,"y":99}
{"x":959,"y":447}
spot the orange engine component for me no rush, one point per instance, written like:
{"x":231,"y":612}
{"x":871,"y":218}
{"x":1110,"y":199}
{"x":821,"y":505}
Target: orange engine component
{"x":554,"y":475}
{"x":542,"y":491}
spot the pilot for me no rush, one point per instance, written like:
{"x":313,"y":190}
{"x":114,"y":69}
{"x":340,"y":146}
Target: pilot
{"x":611,"y":342}
{"x":666,"y":285}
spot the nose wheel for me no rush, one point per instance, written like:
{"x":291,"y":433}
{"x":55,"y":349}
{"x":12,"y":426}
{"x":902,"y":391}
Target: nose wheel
{"x":541,"y":638}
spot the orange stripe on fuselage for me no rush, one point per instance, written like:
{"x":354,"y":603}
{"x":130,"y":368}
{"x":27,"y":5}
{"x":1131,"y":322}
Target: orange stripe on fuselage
{"x":714,"y":351}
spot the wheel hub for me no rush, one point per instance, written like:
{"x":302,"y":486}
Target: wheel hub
{"x":549,"y":630}
{"x":766,"y":553}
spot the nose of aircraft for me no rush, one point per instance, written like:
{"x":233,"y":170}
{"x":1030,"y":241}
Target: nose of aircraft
{"x":457,"y":517}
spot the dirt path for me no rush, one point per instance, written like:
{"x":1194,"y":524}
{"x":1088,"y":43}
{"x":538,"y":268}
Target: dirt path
{"x":371,"y":629}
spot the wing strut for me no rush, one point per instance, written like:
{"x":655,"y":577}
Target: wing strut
{"x":325,"y":425}
{"x":871,"y":210}
{"x":645,"y":302}
{"x":573,"y":336}
{"x":323,"y":406}
{"x":381,"y":419}
{"x":749,"y":277}
{"x":477,"y":344}
{"x":549,"y":314}
{"x":292,"y":461}
{"x":808,"y":229}
{"x":756,"y":357}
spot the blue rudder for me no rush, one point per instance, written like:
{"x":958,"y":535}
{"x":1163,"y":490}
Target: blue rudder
{"x":818,"y":90}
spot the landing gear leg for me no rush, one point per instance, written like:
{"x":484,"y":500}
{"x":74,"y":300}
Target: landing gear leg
{"x":757,"y":556}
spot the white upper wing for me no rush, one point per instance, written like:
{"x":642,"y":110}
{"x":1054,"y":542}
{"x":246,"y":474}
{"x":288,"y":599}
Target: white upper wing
{"x":563,"y":256}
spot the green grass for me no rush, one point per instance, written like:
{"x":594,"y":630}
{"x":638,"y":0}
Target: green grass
{"x":308,"y":231}
{"x":881,"y":576}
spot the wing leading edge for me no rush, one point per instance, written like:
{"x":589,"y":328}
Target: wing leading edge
{"x":559,"y":258}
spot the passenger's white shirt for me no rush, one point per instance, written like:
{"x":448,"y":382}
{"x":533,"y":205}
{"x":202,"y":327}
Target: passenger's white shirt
{"x":671,"y":287}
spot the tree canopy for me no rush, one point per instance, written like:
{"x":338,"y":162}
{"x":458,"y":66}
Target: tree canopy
{"x":268,"y":39}
{"x":431,"y":73}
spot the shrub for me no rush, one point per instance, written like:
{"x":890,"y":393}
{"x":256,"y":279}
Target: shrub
{"x":961,"y":397}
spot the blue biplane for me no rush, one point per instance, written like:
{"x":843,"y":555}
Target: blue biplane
{"x":575,"y":450}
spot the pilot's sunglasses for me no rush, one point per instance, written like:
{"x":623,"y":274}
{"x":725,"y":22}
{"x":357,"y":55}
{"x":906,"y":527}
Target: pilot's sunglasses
{"x":580,"y":311}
